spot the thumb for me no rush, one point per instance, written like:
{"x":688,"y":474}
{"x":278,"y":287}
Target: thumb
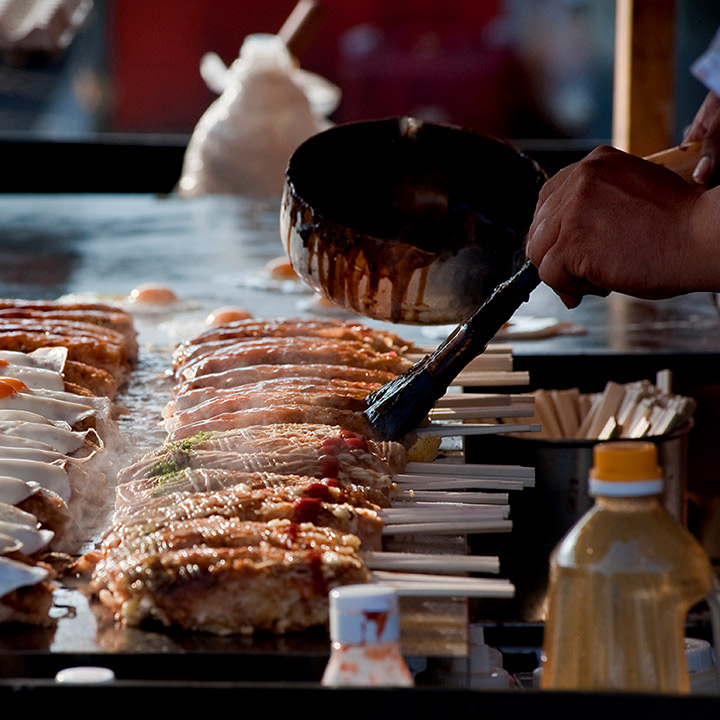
{"x":707,"y":166}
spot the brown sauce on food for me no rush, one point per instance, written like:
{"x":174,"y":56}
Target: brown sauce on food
{"x":306,"y":510}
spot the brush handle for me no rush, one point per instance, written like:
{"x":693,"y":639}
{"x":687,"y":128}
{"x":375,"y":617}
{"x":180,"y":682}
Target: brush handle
{"x":401,"y":405}
{"x":681,"y":159}
{"x":472,"y":337}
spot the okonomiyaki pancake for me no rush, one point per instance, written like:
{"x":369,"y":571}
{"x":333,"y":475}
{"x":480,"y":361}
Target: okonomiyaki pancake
{"x":131,"y":497}
{"x":228,"y":576}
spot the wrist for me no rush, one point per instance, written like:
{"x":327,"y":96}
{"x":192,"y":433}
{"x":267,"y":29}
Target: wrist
{"x":703,"y":246}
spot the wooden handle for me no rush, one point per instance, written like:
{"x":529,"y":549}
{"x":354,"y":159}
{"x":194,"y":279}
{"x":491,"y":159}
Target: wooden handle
{"x":300,"y":25}
{"x":681,"y":159}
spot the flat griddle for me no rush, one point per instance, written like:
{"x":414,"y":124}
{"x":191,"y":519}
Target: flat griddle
{"x":211,"y":252}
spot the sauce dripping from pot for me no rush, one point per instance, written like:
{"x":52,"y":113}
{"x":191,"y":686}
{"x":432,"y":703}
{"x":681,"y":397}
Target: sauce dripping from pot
{"x":404,"y":220}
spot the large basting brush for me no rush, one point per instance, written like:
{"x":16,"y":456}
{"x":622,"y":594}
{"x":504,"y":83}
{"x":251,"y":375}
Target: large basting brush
{"x":401,"y":405}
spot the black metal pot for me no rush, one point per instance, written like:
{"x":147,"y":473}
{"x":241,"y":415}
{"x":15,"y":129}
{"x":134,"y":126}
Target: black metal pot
{"x":407,"y":221}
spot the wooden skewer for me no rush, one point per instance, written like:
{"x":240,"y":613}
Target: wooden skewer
{"x":443,"y":563}
{"x":479,"y":413}
{"x":492,"y":348}
{"x":458,"y":527}
{"x":568,"y":410}
{"x":462,"y":399}
{"x":438,"y":579}
{"x":464,"y":429}
{"x":606,"y":407}
{"x":664,"y":380}
{"x":468,"y":378}
{"x":494,"y":362}
{"x":456,"y":469}
{"x":409,"y":497}
{"x":459,"y":483}
{"x":408,"y":584}
{"x":440,"y":512}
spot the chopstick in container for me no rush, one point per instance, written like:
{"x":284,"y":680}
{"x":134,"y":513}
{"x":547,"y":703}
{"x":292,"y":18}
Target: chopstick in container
{"x":546,"y":414}
{"x":632,"y":410}
{"x":606,"y":406}
{"x":568,"y":410}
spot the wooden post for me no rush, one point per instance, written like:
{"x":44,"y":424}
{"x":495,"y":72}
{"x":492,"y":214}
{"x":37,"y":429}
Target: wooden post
{"x":643,"y":105}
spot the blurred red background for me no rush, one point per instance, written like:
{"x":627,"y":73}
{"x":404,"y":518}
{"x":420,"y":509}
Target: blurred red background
{"x":439,"y":61}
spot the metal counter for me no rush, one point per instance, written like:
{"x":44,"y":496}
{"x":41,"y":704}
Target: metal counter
{"x":212,"y":252}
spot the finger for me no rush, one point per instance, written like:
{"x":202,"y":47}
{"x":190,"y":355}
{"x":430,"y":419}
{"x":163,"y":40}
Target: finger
{"x":573,"y":293}
{"x":555,"y":274}
{"x":588,"y":288}
{"x":544,"y":228}
{"x":554,"y":271}
{"x":541,"y":237}
{"x":553,"y":184}
{"x":570,"y":301}
{"x":707,"y":166}
{"x":699,"y":126}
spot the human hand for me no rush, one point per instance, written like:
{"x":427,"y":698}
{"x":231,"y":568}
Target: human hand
{"x":705,"y":128}
{"x":616,"y":222}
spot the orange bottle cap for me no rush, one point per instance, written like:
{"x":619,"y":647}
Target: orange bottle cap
{"x":623,"y":462}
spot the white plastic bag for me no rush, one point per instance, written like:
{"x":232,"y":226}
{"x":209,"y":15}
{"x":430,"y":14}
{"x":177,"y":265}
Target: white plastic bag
{"x":266,"y":108}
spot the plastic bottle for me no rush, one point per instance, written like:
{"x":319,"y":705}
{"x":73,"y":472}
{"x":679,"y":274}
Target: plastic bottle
{"x":701,"y":666}
{"x":482,"y":668}
{"x":703,"y":672}
{"x":622,"y":582}
{"x":485,"y":663}
{"x":365,"y":636}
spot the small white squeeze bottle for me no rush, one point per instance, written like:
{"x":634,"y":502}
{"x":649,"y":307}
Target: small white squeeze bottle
{"x":365,"y":637}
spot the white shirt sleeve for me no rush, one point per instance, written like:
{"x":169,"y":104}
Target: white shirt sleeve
{"x":707,"y":67}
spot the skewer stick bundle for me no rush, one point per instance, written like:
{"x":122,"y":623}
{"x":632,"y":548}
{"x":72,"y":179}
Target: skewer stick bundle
{"x":632,"y":410}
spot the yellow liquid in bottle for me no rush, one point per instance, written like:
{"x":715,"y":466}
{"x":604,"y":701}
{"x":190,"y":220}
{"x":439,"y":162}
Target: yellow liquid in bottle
{"x":621,"y":585}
